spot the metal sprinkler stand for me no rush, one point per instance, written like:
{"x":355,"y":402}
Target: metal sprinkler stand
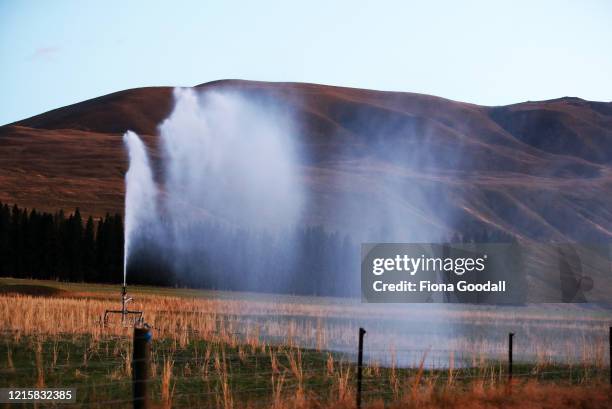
{"x":138,"y":319}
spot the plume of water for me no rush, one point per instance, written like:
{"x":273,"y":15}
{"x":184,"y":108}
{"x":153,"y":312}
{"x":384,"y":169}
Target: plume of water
{"x":140,"y":197}
{"x":232,"y":158}
{"x":230,"y":172}
{"x":228,"y":161}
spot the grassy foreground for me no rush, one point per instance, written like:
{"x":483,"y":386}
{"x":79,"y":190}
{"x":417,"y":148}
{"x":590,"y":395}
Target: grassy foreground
{"x":222,"y":350}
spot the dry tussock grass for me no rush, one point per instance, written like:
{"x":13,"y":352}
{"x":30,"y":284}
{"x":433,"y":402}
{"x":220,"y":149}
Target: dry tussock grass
{"x":308,"y":322}
{"x":247,"y":326}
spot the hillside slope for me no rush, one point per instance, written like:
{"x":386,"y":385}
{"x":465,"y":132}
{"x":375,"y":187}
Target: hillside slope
{"x":538,"y":169}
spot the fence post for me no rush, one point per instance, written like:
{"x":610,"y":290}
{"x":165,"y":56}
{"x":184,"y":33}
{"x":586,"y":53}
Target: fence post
{"x":360,"y":366}
{"x":140,"y":367}
{"x":510,"y":338}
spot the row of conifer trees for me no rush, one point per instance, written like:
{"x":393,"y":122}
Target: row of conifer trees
{"x":311,"y":260}
{"x":57,"y":246}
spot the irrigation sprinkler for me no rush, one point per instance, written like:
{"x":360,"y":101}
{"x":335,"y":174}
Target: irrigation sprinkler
{"x":128,"y":317}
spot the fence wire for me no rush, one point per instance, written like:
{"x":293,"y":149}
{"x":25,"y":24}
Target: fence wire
{"x":205,"y":373}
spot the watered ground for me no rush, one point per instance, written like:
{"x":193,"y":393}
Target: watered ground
{"x":219,"y":349}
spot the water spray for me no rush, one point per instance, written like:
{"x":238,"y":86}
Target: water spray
{"x":225,"y":159}
{"x":140,"y":197}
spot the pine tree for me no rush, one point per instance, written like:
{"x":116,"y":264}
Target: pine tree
{"x":5,"y":220}
{"x":88,"y":250}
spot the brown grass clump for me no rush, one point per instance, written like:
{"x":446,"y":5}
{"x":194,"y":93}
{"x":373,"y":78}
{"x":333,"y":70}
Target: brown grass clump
{"x":40,"y":370}
{"x":167,"y":388}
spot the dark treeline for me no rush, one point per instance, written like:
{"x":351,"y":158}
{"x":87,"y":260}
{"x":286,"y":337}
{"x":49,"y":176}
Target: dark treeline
{"x":66,"y":247}
{"x":305,"y":260}
{"x":62,"y":247}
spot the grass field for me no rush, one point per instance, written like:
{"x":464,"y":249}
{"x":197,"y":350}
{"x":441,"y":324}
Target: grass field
{"x":223,"y":349}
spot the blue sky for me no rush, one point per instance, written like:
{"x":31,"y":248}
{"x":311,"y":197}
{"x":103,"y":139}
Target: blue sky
{"x":54,"y":53}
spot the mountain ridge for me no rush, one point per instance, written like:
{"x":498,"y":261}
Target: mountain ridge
{"x":528,"y":168}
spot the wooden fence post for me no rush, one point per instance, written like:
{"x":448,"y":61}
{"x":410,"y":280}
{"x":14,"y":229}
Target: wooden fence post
{"x":140,"y":367}
{"x":510,"y":339}
{"x":360,"y":366}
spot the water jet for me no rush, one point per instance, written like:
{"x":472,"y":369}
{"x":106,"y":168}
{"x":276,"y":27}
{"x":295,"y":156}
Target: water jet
{"x":140,"y":197}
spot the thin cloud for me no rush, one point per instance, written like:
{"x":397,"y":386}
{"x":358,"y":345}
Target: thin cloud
{"x":45,"y":53}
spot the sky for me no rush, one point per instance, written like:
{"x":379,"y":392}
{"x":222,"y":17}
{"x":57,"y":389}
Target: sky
{"x":55,"y":53}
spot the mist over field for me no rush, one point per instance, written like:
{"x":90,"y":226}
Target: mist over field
{"x":229,"y":173}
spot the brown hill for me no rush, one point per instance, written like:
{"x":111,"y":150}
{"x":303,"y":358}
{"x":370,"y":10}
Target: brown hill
{"x":539,"y":169}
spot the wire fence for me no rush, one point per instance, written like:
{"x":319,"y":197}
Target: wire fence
{"x":204,"y":373}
